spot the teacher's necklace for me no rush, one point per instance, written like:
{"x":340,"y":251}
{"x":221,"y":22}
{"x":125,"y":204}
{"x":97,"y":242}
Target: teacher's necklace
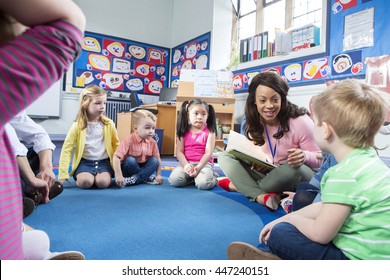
{"x":271,"y":148}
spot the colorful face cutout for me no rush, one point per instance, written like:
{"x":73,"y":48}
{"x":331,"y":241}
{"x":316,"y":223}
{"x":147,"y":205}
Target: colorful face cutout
{"x":293,"y":72}
{"x":191,"y":50}
{"x":137,"y":52}
{"x":99,"y":62}
{"x":342,"y":63}
{"x":176,"y":56}
{"x":155,"y":56}
{"x":313,"y":66}
{"x":113,"y":81}
{"x":143,"y":69}
{"x":155,"y":87}
{"x":116,"y":49}
{"x":135,"y":84}
{"x":187,"y":65}
{"x":121,"y":65}
{"x":160,"y":70}
{"x":88,"y":77}
{"x":91,"y":44}
{"x":201,"y":62}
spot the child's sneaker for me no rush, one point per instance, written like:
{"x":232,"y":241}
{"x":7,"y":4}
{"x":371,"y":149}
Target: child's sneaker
{"x":131,"y":181}
{"x":67,"y":255}
{"x":286,"y":204}
{"x":28,"y":206}
{"x":151,"y":180}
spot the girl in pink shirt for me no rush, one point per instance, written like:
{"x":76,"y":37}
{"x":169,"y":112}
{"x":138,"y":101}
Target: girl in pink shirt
{"x":196,"y":126}
{"x":284,"y":132}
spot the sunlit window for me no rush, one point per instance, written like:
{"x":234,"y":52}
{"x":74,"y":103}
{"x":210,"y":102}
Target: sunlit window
{"x":305,"y":12}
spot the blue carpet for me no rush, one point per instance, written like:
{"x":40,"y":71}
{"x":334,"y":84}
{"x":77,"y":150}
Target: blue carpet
{"x":150,"y":222}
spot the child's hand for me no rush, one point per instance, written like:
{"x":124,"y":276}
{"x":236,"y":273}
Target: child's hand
{"x":189,"y":168}
{"x":120,"y":181}
{"x":159,"y":179}
{"x":194,"y":172}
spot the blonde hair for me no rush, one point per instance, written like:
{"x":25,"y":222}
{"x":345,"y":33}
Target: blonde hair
{"x":86,"y":98}
{"x":354,"y":109}
{"x":140,"y":115}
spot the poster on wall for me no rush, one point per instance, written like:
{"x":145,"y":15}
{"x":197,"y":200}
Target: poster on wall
{"x":359,"y":30}
{"x":193,"y":54}
{"x":118,"y":64}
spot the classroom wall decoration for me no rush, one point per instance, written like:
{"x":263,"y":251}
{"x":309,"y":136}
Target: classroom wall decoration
{"x":193,"y":54}
{"x":121,"y":65}
{"x":339,"y":61}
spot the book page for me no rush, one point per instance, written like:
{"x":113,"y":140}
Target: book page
{"x":251,"y":152}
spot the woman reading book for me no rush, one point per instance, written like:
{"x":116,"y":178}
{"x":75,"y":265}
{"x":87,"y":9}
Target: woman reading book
{"x":285,"y":134}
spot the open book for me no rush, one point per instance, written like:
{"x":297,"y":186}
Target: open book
{"x":242,"y":148}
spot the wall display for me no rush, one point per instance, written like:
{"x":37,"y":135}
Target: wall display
{"x":301,"y":72}
{"x":193,"y":54}
{"x":121,"y":65}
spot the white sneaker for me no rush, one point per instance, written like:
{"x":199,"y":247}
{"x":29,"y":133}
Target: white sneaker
{"x":151,"y":180}
{"x":67,"y":255}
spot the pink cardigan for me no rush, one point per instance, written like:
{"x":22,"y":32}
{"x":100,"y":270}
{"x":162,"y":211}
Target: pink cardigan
{"x":300,"y":136}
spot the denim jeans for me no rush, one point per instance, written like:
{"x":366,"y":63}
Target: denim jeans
{"x":287,"y":242}
{"x":131,"y":167}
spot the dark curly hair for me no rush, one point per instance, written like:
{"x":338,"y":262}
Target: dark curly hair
{"x":254,"y":125}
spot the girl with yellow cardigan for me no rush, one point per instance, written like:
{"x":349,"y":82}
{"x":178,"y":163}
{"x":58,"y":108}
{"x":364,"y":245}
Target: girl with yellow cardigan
{"x":93,"y":138}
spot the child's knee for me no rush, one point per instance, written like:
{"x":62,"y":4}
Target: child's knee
{"x":103,"y":182}
{"x":85,"y":183}
{"x":206,"y":183}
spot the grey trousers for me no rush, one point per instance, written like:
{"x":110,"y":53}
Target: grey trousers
{"x":205,"y":180}
{"x":252,"y":183}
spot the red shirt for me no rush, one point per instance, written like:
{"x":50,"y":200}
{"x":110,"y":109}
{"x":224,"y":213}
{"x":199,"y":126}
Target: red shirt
{"x":137,"y":147}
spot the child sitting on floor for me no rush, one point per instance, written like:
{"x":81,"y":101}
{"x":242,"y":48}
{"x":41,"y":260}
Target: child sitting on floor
{"x":196,"y":126}
{"x":137,"y":157}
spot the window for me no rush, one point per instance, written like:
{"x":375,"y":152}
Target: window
{"x":306,"y":11}
{"x":255,"y":16}
{"x":246,"y":16}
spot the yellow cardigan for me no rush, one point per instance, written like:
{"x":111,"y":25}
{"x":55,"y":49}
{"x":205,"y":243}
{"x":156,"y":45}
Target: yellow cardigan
{"x":75,"y":141}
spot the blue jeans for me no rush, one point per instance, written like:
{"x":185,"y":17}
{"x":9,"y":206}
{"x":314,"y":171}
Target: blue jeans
{"x":142,"y":171}
{"x":287,"y":242}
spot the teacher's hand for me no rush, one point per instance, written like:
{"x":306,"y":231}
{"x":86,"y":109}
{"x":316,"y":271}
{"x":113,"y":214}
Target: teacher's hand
{"x":296,"y":157}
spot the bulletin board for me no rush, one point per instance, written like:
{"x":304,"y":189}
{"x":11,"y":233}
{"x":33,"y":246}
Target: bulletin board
{"x":121,"y":65}
{"x":193,"y":54}
{"x":356,"y":31}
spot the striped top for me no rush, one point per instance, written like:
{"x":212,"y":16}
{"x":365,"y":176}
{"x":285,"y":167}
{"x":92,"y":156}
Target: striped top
{"x":140,"y":149}
{"x":361,"y":180}
{"x":29,"y":65}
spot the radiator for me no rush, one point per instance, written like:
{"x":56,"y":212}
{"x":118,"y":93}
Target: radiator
{"x":114,"y":107}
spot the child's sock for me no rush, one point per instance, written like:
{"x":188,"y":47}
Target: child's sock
{"x":131,"y":181}
{"x":224,"y":184}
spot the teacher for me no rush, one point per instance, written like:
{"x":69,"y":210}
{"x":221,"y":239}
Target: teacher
{"x":284,"y":131}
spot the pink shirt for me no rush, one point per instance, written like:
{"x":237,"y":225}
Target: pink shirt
{"x":140,"y":149}
{"x":300,"y":136}
{"x":195,"y":145}
{"x":29,"y":64}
